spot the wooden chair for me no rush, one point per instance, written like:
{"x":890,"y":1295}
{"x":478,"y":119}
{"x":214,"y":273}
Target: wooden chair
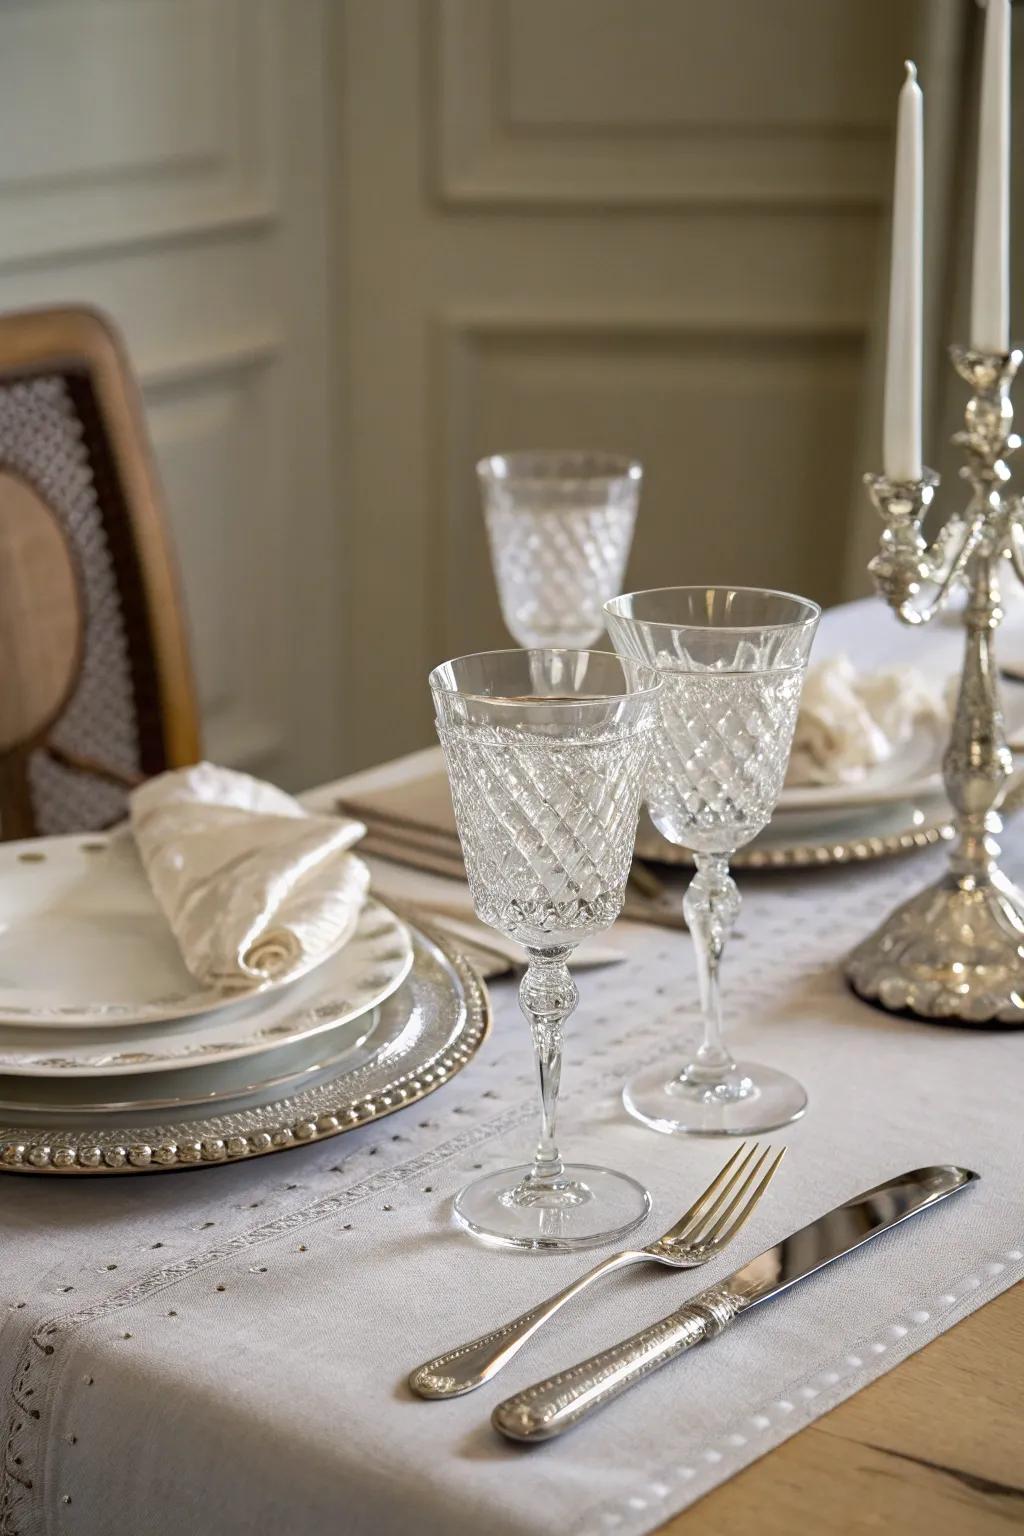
{"x":96,"y":688}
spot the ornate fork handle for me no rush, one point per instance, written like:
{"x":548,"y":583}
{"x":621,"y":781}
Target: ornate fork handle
{"x":551,"y":1407}
{"x":469,"y":1365}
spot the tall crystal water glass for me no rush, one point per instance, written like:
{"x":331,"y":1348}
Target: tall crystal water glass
{"x":559,"y":524}
{"x":546,"y":753}
{"x":732,"y":660}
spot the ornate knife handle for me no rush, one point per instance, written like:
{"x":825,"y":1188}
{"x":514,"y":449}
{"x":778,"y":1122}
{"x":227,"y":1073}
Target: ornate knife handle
{"x":469,"y":1365}
{"x":551,"y":1407}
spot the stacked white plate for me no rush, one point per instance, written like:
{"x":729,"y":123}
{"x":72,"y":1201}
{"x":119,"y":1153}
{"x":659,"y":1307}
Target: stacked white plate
{"x":98,"y":1012}
{"x":894,"y":807}
{"x":897,"y":805}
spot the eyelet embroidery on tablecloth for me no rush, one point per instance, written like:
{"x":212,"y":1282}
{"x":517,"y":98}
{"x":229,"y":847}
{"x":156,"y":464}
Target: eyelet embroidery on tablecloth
{"x":860,"y":1362}
{"x":19,"y":1489}
{"x":18,"y":1486}
{"x":19,"y":1476}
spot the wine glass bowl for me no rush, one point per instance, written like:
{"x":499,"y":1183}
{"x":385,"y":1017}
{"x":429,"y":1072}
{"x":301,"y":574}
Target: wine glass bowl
{"x":721,"y":761}
{"x":546,"y":752}
{"x":559,"y":525}
{"x":732,"y":661}
{"x":729,"y":707}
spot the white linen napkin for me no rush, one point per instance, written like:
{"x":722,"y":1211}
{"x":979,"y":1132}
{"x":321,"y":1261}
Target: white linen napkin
{"x":254,"y":887}
{"x":852,"y":721}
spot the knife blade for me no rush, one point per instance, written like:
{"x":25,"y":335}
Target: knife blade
{"x":552,"y":1406}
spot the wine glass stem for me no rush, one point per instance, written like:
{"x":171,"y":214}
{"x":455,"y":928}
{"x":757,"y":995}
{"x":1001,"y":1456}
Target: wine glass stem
{"x":710,"y":906}
{"x":547,"y":996}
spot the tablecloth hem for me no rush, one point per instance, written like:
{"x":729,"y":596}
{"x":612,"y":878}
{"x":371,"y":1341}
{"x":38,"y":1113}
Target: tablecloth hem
{"x":805,"y":1399}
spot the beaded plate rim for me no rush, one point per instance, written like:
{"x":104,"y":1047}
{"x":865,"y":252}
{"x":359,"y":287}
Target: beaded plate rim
{"x":81,"y":1152}
{"x":810,"y":855}
{"x":939,"y":828}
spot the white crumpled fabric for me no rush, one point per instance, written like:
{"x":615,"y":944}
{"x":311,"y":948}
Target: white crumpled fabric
{"x":254,"y":887}
{"x":851,"y":721}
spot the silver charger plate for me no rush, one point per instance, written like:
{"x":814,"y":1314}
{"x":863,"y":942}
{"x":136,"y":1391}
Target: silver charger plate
{"x":798,"y":840}
{"x":445,"y":1014}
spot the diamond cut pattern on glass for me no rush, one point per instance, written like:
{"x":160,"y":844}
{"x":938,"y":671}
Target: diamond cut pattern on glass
{"x":555,"y":569}
{"x":547,"y":827}
{"x":720,"y":756}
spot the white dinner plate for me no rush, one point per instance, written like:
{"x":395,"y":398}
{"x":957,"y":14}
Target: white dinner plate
{"x":425,"y":1033}
{"x":296,"y":1065}
{"x":343,"y":989}
{"x":914,"y":770}
{"x":84,"y":942}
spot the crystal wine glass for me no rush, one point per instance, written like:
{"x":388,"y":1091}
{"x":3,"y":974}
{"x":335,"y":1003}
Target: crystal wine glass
{"x":732,"y":662}
{"x":546,"y":753}
{"x":560,"y":525}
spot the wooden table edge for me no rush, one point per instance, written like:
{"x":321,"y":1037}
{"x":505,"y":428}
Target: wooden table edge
{"x":936,"y":1445}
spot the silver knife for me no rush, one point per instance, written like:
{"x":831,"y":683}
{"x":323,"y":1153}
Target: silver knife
{"x":551,"y":1407}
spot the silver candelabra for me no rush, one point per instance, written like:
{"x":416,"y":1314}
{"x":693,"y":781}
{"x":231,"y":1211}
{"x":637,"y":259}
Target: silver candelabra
{"x":955,"y":951}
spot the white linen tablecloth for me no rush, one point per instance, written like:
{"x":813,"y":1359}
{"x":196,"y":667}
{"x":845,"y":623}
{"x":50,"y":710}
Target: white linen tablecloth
{"x":224,"y":1352}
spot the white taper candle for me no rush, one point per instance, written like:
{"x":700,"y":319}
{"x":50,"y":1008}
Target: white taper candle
{"x":901,"y":454}
{"x":990,"y":277}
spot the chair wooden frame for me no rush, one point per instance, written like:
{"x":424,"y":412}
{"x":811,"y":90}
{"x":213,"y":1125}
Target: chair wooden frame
{"x":82,"y":340}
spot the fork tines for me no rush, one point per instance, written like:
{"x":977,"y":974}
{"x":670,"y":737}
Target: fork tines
{"x":738,"y":1187}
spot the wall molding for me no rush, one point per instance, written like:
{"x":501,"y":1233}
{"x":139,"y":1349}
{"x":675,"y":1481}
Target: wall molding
{"x":484,"y":157}
{"x":210,"y":412}
{"x":229,"y":354}
{"x":217,"y":176}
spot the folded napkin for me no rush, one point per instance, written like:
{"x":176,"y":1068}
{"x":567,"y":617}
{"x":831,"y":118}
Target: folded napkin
{"x":851,"y":721}
{"x":255,"y":888}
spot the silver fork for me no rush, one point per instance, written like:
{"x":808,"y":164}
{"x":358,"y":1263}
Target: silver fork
{"x":712,"y":1221}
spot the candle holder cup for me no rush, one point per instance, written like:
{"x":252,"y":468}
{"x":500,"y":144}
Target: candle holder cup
{"x":955,"y":951}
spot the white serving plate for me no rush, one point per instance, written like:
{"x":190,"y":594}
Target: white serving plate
{"x":914,"y":772}
{"x":84,"y":942}
{"x":341,"y":990}
{"x":294,"y":1066}
{"x":426,"y":1032}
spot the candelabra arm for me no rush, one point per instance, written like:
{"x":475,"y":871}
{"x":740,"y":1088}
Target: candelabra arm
{"x":951,"y":553}
{"x":913,"y":577}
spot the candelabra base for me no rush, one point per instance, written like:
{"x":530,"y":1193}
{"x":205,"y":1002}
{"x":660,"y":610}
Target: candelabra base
{"x":954,"y":954}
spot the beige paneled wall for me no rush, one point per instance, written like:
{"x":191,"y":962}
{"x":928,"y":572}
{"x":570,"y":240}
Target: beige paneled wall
{"x":642,"y":224}
{"x":740,"y":434}
{"x":165,"y":160}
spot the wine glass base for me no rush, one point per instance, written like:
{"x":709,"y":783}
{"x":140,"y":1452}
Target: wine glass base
{"x":754,"y":1099}
{"x":592,"y":1206}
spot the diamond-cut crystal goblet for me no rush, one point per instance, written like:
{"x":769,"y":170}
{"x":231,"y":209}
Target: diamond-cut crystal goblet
{"x":560,"y":525}
{"x":732,"y":661}
{"x":546,"y":753}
